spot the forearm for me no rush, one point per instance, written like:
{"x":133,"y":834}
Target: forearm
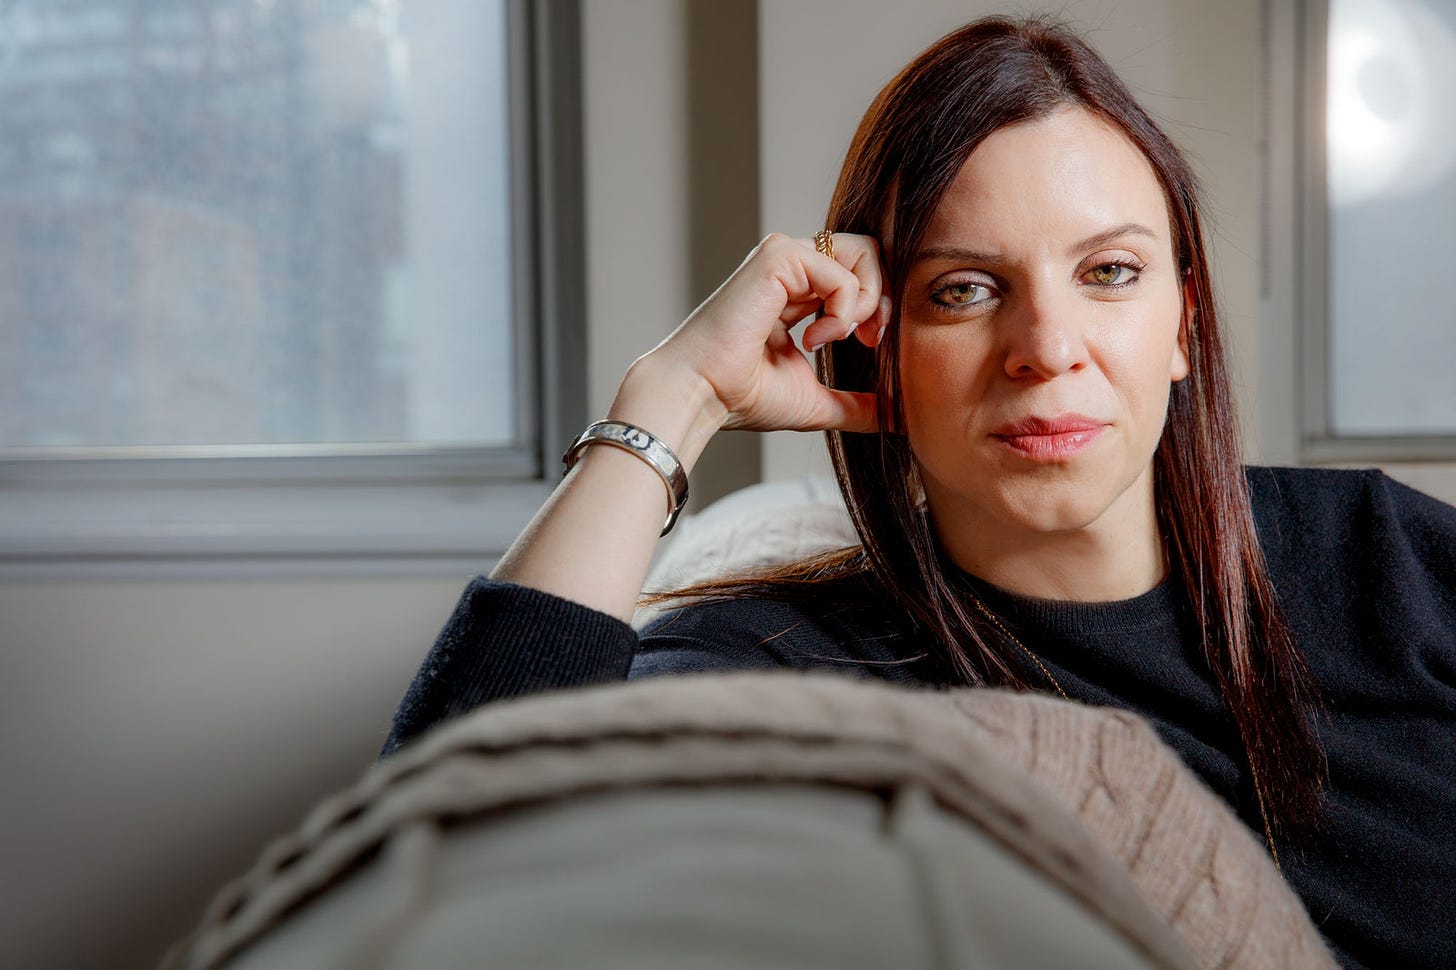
{"x":731,"y":363}
{"x":593,"y":540}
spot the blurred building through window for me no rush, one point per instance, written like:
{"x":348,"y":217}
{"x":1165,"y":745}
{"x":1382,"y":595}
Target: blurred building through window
{"x":254,"y":223}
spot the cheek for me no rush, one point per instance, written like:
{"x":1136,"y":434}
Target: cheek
{"x":940,"y":369}
{"x":1143,"y":359}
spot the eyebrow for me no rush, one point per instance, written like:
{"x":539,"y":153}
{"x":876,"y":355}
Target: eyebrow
{"x":984,"y":258}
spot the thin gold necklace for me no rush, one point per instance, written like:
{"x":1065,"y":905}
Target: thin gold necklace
{"x":1258,"y":785}
{"x":996,"y":621}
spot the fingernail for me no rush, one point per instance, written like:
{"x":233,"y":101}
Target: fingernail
{"x":813,"y":347}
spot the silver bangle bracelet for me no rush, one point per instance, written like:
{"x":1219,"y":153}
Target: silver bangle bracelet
{"x":644,"y":445}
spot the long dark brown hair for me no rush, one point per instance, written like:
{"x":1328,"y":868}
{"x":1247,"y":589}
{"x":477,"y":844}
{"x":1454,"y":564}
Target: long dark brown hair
{"x":910,"y":146}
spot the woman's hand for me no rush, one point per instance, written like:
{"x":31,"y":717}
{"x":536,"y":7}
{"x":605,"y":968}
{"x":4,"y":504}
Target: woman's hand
{"x":738,"y":340}
{"x":732,"y":364}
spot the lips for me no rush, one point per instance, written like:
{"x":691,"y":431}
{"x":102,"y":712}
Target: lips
{"x":1049,"y":439}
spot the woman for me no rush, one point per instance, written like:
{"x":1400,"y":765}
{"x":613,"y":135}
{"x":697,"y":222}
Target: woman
{"x":1025,"y":397}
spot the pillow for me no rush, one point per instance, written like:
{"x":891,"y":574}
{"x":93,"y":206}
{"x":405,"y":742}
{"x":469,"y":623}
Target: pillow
{"x":761,"y":525}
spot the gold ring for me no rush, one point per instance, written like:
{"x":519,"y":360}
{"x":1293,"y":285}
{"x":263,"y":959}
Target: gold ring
{"x":824,"y":242}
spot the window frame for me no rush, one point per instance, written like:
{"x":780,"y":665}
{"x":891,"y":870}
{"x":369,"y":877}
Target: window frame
{"x":191,"y":511}
{"x":1296,"y":264}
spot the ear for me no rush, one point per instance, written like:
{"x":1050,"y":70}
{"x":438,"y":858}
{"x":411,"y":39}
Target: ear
{"x":1181,"y":366}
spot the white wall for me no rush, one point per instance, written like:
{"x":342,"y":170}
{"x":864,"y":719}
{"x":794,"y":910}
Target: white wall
{"x":156,"y":734}
{"x":672,"y":186}
{"x":637,"y":182}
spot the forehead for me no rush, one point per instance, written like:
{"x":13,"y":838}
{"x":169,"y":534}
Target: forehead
{"x":1042,"y":183}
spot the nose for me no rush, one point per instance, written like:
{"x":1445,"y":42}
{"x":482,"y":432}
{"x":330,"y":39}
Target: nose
{"x":1044,"y":336}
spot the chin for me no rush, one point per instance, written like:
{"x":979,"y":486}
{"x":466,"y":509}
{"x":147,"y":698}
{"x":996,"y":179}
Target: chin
{"x":1065,"y":501}
{"x":1048,"y":499}
{"x":1052,"y":514}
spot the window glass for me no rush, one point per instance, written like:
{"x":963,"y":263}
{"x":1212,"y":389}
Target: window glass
{"x":1391,"y":169}
{"x":254,"y":223}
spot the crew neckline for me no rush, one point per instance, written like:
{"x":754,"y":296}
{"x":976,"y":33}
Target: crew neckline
{"x":1157,"y":608}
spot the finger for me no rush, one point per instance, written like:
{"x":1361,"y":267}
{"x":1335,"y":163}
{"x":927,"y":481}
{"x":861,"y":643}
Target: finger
{"x":780,"y":342}
{"x":872,"y":331}
{"x":830,"y":280}
{"x":869,"y":331}
{"x":809,"y":281}
{"x":825,"y":330}
{"x":864,"y":263}
{"x":797,"y":310}
{"x":861,"y":256}
{"x":835,"y":284}
{"x":844,"y":411}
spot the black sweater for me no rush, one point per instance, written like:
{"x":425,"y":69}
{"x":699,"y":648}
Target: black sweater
{"x":1365,"y":570}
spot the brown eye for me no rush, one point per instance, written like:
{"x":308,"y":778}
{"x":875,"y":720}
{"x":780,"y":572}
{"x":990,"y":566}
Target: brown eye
{"x":1112,"y":274}
{"x":962,"y":294}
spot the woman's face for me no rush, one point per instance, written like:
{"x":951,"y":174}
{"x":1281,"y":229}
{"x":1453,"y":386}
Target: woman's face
{"x":1041,"y":329}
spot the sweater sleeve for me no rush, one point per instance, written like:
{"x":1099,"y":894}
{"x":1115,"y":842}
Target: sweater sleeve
{"x":505,"y":640}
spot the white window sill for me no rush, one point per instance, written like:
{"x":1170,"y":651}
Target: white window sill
{"x":240,"y":530}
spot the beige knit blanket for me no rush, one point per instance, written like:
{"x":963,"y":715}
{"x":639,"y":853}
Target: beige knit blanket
{"x":1090,"y":797}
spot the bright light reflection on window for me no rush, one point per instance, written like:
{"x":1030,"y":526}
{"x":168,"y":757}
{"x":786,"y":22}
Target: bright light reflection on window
{"x":1392,"y":66}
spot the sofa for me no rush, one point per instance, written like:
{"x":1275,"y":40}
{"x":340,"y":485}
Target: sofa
{"x":766,"y":819}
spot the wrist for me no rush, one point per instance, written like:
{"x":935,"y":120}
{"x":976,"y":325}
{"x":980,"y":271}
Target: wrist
{"x":674,"y":403}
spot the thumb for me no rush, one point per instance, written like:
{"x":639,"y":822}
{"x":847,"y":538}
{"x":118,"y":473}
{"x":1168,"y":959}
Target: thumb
{"x":846,"y":411}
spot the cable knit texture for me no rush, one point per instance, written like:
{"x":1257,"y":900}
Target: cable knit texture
{"x":1156,"y":856}
{"x":1191,"y":858}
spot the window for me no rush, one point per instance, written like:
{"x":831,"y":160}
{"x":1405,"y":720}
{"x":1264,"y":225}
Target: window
{"x":1360,"y":118}
{"x":278,"y":281}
